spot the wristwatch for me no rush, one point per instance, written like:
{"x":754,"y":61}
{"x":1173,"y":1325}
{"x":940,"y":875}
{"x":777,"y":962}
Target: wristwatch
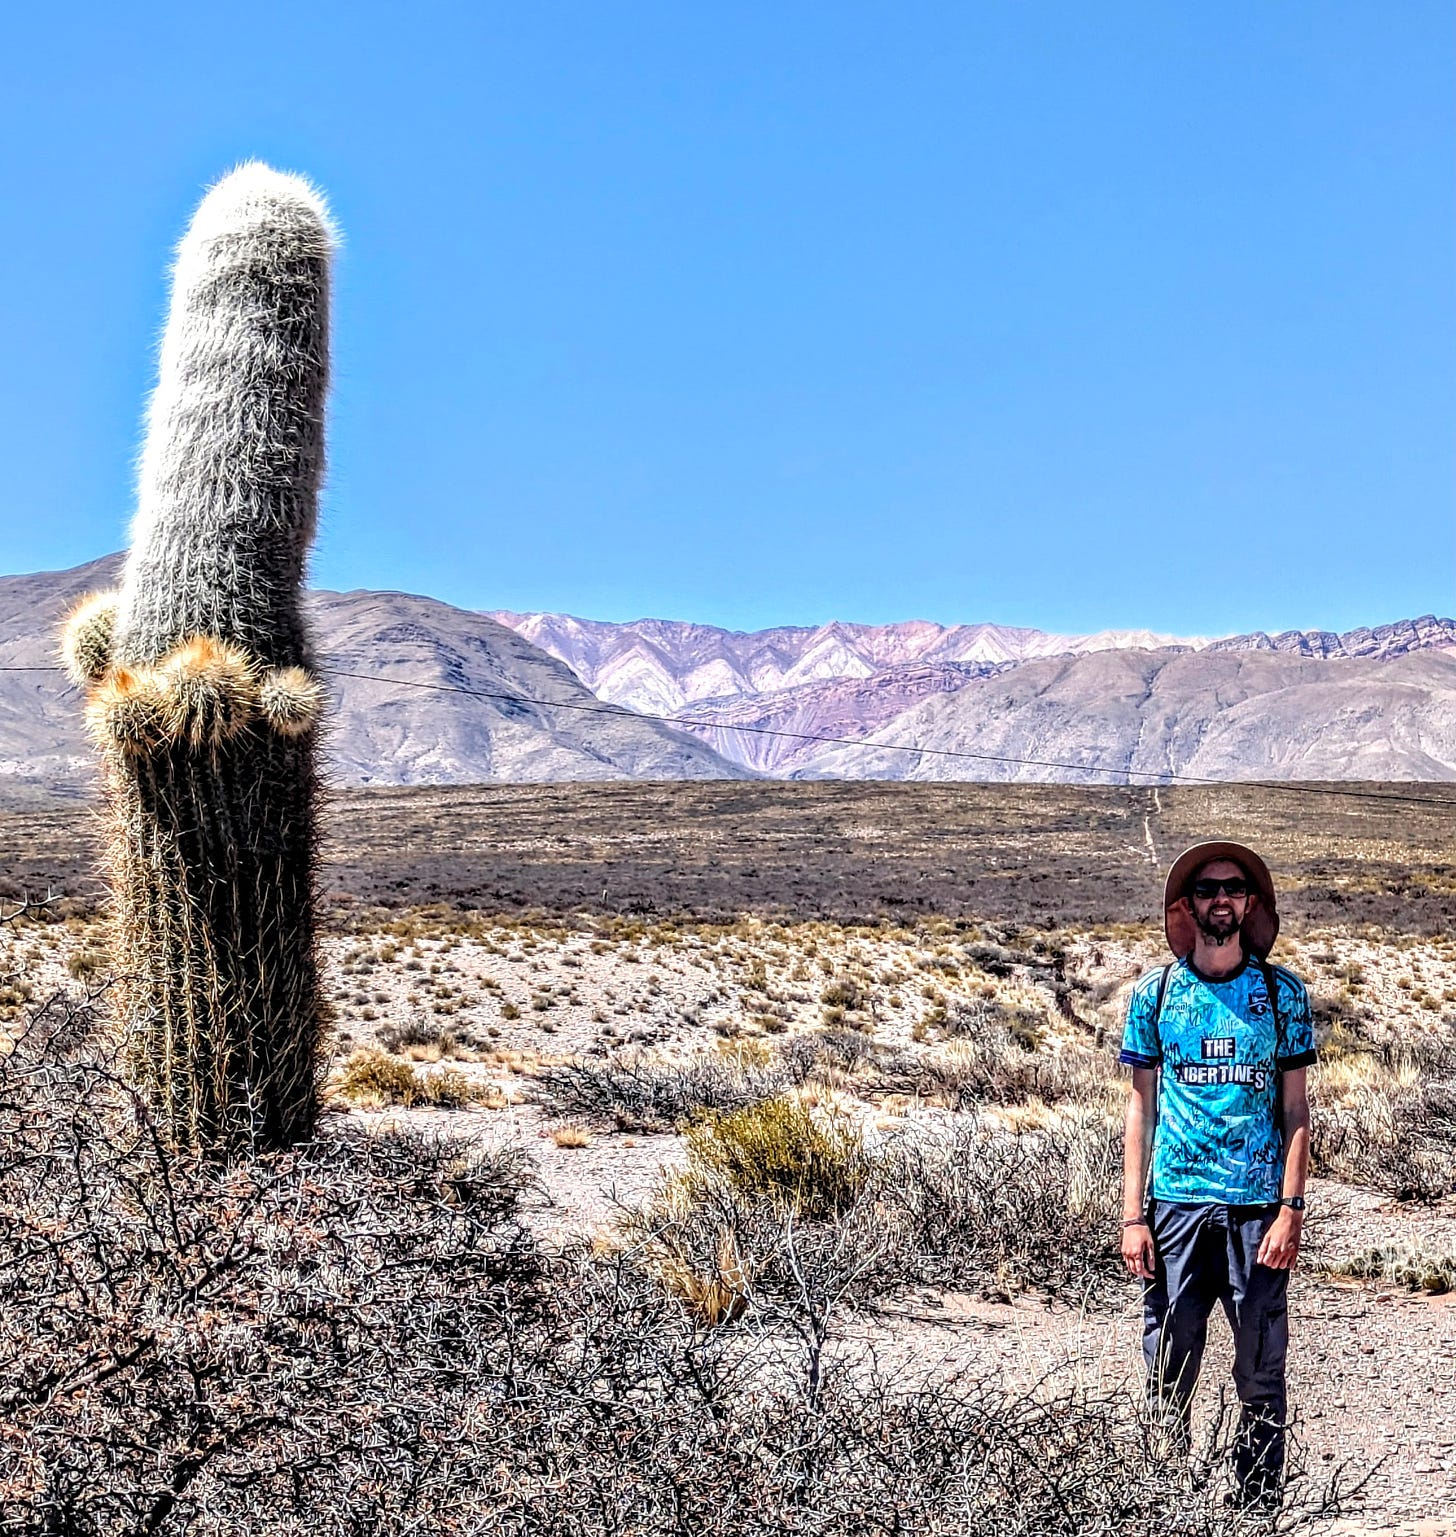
{"x":1293,"y":1202}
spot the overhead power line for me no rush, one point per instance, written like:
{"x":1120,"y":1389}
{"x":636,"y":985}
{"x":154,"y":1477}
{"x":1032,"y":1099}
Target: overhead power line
{"x":1158,"y":776}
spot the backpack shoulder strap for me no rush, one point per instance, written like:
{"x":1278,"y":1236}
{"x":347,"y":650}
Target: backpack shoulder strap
{"x":1162,"y":993}
{"x":1271,"y":986}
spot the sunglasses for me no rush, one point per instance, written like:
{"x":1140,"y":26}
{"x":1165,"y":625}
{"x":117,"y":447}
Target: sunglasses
{"x":1206,"y":890}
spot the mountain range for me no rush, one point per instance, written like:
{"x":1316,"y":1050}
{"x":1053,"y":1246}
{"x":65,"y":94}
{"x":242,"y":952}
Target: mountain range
{"x":1139,"y":714}
{"x":427,"y":693}
{"x":1062,"y":702}
{"x":661,"y":665}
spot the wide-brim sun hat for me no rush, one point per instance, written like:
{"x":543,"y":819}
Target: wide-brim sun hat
{"x":1261,"y":926}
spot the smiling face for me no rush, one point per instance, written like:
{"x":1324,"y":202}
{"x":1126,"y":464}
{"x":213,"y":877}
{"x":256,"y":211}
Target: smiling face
{"x":1219,"y":904}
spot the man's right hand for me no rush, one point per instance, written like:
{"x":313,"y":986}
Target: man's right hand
{"x":1137,"y":1250}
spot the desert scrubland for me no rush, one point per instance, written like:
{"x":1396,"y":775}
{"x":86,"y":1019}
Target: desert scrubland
{"x":723,"y":1157}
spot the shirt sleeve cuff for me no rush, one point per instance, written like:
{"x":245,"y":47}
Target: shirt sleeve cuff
{"x":1299,"y":1059}
{"x":1140,"y":1059}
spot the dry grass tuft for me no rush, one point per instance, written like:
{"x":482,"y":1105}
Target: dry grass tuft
{"x":1408,"y":1265}
{"x":1386,"y":1118}
{"x":85,"y":963}
{"x":713,"y":1294}
{"x":424,"y":1040}
{"x":373,"y":1080}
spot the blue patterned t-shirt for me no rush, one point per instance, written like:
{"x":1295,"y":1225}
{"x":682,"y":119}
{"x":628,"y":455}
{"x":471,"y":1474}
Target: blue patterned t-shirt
{"x":1218,"y":1139}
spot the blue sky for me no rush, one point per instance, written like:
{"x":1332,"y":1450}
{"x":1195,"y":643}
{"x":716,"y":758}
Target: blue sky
{"x":1047,"y":313}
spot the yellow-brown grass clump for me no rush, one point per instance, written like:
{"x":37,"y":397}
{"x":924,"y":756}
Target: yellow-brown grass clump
{"x":374,"y":1079}
{"x":714,"y":1294}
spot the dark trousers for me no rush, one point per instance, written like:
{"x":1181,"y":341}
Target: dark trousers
{"x":1205,"y":1254}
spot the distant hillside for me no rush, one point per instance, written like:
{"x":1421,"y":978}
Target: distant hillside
{"x":740,"y":727}
{"x":1383,"y":642}
{"x":1215,"y":715}
{"x":856,"y":681}
{"x":388,"y":735}
{"x":41,"y":739}
{"x":378,"y":734}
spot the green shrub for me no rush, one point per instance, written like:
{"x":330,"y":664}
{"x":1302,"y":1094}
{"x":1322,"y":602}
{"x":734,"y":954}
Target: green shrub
{"x":814,"y":1165}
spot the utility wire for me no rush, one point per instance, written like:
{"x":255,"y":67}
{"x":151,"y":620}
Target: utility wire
{"x":1288,"y":787}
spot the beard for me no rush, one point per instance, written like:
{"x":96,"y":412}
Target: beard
{"x":1218,"y":929}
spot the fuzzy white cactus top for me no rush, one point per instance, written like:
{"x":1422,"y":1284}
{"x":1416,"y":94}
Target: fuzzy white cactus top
{"x":228,"y":485}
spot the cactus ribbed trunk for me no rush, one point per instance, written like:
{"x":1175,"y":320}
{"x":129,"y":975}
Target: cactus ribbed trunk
{"x":202,"y":695}
{"x":212,"y":868}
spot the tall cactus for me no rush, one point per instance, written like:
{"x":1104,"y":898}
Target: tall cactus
{"x":201,"y":693}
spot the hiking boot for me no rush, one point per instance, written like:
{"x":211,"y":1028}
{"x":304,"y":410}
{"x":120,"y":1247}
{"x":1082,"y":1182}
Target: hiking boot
{"x":1260,"y":1504}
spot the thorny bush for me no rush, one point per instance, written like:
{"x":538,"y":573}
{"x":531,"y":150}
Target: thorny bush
{"x":640,"y":1092}
{"x":1385,"y":1117}
{"x":288,"y":1332}
{"x":969,"y":1206}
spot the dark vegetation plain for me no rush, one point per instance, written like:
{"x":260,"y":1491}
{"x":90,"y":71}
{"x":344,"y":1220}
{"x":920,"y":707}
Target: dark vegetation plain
{"x":845,"y":852}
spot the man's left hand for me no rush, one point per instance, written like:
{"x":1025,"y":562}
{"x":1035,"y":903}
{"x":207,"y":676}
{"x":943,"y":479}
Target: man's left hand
{"x":1280,"y":1247}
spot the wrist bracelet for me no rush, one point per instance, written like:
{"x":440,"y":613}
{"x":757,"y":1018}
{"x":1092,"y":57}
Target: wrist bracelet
{"x":1135,"y":1222}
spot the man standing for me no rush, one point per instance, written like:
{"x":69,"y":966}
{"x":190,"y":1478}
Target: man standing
{"x":1219,"y":1043}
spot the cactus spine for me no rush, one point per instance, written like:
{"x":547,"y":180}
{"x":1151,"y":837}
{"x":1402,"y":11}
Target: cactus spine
{"x":202,"y":696}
